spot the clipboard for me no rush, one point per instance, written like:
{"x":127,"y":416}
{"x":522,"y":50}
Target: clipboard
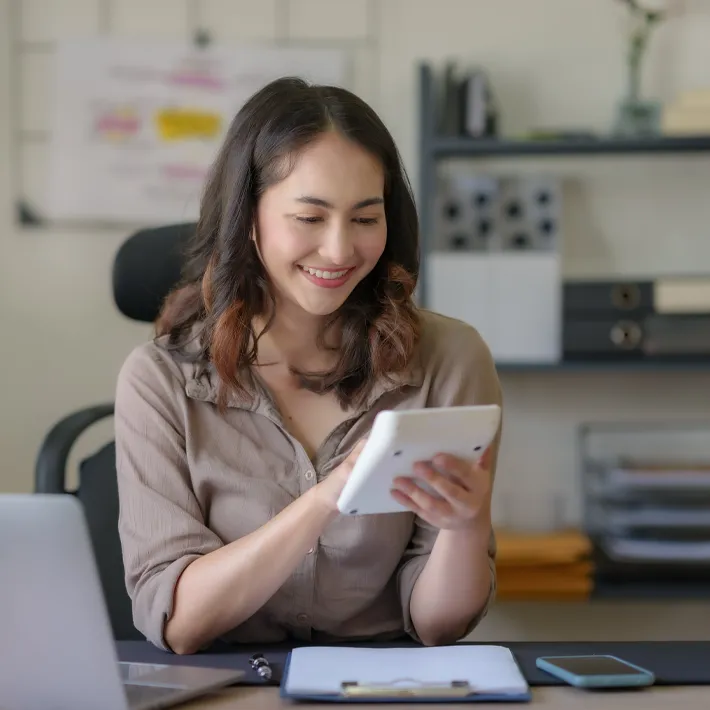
{"x":400,"y":690}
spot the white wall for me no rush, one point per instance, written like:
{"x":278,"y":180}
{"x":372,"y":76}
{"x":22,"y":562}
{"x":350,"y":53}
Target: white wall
{"x":553,"y":63}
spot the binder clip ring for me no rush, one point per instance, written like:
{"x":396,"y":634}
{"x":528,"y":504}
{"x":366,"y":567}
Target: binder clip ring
{"x":626,"y":335}
{"x":626,"y":297}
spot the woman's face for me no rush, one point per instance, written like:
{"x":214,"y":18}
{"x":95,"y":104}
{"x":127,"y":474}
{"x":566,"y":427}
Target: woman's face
{"x":322,"y":229}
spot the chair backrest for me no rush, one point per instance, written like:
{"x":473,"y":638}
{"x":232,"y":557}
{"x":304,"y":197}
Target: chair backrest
{"x":146,"y":267}
{"x":98,"y":495}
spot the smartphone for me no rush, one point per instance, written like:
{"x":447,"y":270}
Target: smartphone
{"x":399,"y":439}
{"x":596,"y":671}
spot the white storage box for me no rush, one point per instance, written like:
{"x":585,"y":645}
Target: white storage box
{"x":513,"y":299}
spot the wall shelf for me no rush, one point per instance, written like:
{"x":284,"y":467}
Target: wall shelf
{"x":462,"y":147}
{"x":434,"y":147}
{"x":651,"y":591}
{"x":605,"y":366}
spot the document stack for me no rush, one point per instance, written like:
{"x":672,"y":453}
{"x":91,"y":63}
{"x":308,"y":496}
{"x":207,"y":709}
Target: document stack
{"x":553,"y":566}
{"x":648,"y":513}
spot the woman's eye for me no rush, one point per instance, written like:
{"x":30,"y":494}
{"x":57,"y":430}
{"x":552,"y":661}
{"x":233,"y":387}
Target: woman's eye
{"x":309,"y":220}
{"x":366,"y":220}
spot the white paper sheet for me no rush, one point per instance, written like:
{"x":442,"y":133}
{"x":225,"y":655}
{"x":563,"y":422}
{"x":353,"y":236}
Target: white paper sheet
{"x":317,"y":670}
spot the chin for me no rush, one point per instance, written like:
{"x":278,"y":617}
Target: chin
{"x":321,"y":309}
{"x":322,"y":303}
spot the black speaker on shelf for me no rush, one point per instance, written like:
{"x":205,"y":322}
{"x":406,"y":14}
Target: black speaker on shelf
{"x":480,"y":212}
{"x":466,"y":213}
{"x":530,"y":214}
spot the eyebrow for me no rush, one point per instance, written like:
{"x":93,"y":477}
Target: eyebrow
{"x":318,"y":202}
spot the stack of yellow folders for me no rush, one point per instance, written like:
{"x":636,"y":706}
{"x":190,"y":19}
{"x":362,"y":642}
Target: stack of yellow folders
{"x":688,"y":115}
{"x":550,"y":566}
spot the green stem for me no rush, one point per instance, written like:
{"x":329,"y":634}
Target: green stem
{"x":636,"y":54}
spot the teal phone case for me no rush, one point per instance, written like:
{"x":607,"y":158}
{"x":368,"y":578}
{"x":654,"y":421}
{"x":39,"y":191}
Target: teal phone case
{"x":641,"y":678}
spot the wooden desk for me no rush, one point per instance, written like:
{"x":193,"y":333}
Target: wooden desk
{"x":559,"y":698}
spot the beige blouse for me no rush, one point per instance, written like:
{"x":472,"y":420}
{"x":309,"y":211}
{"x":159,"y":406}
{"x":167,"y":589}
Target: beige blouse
{"x":191,"y":480}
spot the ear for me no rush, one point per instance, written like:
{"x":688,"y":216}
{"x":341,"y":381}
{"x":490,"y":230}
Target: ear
{"x":255,"y":241}
{"x":254,"y":232}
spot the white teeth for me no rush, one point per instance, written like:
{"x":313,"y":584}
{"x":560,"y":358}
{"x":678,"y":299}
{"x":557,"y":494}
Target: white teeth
{"x":319,"y":273}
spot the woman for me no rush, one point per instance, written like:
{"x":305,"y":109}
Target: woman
{"x":237,"y":427}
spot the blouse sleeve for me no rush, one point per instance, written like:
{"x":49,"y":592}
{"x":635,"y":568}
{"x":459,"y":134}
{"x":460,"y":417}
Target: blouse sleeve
{"x":161,"y":526}
{"x":463,"y":373}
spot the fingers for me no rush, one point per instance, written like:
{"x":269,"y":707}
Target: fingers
{"x":458,"y":488}
{"x":462,"y":472}
{"x":404,"y":500}
{"x":435,"y":512}
{"x":460,"y":498}
{"x":471,"y":475}
{"x":418,"y":500}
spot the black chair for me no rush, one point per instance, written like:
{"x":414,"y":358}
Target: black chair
{"x":145,"y":268}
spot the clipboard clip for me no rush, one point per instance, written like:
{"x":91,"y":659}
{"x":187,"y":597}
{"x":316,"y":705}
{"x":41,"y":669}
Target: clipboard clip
{"x":406,"y":688}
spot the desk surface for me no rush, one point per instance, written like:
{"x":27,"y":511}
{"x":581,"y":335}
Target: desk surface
{"x":681,"y":667}
{"x":564,"y":698}
{"x":675,"y":663}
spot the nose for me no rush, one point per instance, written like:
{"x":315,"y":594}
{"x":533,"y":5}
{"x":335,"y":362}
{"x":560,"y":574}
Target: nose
{"x":337,"y":248}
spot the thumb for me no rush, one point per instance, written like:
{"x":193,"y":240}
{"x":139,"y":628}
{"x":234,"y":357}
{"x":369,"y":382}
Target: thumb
{"x":485,"y":460}
{"x":357,"y":450}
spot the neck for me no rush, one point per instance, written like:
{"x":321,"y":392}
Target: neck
{"x":291,"y":340}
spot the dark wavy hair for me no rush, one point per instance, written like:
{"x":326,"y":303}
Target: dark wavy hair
{"x":225,"y":285}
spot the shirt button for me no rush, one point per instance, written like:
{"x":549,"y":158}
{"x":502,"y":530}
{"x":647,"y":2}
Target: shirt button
{"x":302,"y":618}
{"x":309,"y":475}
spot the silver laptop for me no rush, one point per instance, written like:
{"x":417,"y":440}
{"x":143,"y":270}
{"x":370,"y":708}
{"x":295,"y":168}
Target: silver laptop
{"x":56,"y":645}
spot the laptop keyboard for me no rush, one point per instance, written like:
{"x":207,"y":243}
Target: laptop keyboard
{"x":139,"y":695}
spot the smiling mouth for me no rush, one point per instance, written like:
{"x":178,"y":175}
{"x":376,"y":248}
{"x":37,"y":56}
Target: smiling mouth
{"x":326,"y":274}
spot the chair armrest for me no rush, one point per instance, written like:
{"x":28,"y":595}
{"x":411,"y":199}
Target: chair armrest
{"x":50,"y":467}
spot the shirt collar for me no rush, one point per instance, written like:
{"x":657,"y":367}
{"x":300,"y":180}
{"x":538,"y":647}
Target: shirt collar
{"x":203,"y":384}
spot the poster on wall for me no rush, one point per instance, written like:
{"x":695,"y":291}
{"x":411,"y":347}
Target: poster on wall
{"x":136,"y":125}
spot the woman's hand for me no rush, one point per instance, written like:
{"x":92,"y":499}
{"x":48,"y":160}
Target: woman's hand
{"x":463,"y":488}
{"x":329,"y":489}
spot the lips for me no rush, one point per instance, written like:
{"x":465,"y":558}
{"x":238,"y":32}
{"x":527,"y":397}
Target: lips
{"x":326,"y":278}
{"x":325,"y":273}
